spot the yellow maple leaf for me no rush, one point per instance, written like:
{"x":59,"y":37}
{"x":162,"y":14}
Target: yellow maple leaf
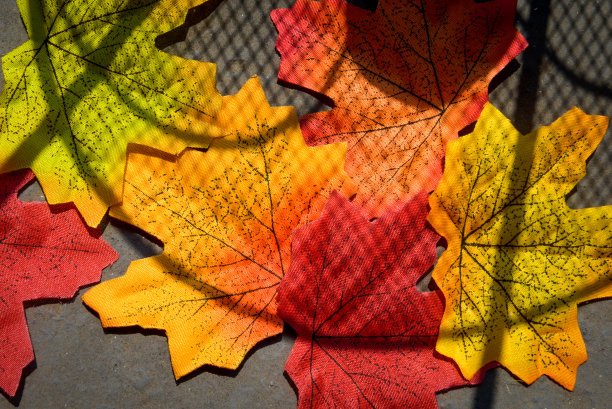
{"x":519,"y":260}
{"x":88,"y":82}
{"x":225,"y":217}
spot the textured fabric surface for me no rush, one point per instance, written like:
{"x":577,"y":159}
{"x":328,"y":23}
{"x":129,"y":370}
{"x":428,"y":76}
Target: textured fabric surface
{"x":80,"y":365}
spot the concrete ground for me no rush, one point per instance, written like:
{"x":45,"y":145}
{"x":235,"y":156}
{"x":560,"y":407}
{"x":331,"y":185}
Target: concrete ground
{"x":78,"y":364}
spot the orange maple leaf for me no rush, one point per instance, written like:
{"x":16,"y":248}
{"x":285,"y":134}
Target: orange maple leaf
{"x":404,"y":80}
{"x":225,"y":217}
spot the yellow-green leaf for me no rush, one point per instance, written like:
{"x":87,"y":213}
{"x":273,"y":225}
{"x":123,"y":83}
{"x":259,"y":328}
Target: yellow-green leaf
{"x":519,"y":260}
{"x":225,"y":217}
{"x":88,"y":82}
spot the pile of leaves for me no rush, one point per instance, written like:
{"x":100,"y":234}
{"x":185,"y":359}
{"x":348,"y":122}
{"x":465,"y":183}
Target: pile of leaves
{"x":257,"y":227}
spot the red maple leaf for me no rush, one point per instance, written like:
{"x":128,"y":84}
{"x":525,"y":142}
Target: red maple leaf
{"x":403,"y":81}
{"x":43,"y":255}
{"x":366,"y":335}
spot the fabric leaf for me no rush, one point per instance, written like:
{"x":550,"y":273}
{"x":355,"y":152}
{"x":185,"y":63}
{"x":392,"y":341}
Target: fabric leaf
{"x":366,"y":335}
{"x":88,"y":82}
{"x":403,"y":80}
{"x":225,"y":217}
{"x":519,"y":260}
{"x":43,"y":255}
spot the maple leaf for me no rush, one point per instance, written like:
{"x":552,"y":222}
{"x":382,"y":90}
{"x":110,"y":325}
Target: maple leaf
{"x":43,"y":255}
{"x":88,"y":82}
{"x":404,"y":80}
{"x":519,"y":260}
{"x":366,"y":335}
{"x":225,"y":217}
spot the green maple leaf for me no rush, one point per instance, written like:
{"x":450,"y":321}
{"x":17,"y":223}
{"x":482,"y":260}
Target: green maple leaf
{"x":88,"y":82}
